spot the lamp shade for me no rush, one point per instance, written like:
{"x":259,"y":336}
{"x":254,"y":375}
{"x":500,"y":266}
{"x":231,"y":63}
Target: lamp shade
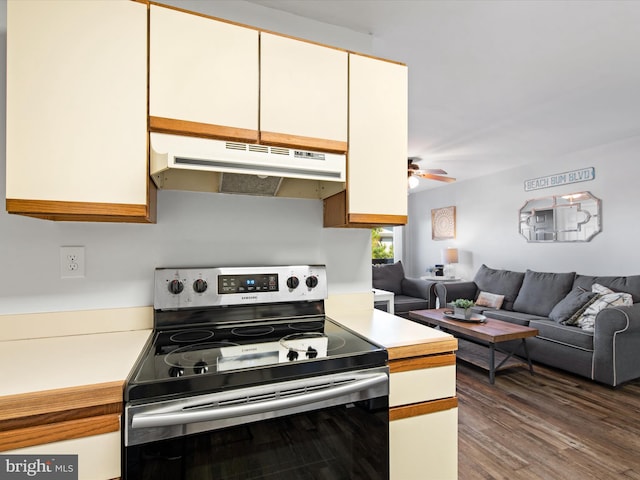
{"x":450,"y":255}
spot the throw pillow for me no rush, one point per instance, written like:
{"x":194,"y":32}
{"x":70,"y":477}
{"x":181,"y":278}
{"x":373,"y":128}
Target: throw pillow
{"x":601,"y":289}
{"x":588,"y":319}
{"x":630,"y":284}
{"x":388,"y":277}
{"x":541,"y":291}
{"x":573,"y":320}
{"x":569,"y":305}
{"x":500,"y":282}
{"x":492,"y":300}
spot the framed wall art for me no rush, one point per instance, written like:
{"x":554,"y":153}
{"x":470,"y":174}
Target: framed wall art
{"x":443,"y":223}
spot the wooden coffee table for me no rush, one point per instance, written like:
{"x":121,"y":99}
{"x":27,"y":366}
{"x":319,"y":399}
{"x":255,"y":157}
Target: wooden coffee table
{"x":492,"y":331}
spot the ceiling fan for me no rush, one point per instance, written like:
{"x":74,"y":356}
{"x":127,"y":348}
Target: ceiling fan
{"x":429,"y":173}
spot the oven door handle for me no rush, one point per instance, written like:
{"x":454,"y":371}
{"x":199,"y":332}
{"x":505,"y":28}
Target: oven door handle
{"x":194,"y":415}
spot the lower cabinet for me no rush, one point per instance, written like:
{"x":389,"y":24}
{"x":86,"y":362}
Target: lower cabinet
{"x":81,"y":420}
{"x":98,"y":455}
{"x":423,"y":429}
{"x":425,"y":446}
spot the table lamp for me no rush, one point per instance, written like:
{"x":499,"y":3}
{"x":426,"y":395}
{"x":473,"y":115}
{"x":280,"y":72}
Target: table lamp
{"x":449,"y":258}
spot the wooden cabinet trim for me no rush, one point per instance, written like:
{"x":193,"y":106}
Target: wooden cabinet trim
{"x":335,"y":215}
{"x":416,"y":409}
{"x":374,"y":219}
{"x":61,"y":416}
{"x":36,"y":418}
{"x":58,"y":400}
{"x":81,"y":211}
{"x":335,"y":210}
{"x":309,"y":143}
{"x":55,"y":432}
{"x":440,"y":347}
{"x":211,"y":17}
{"x":419,"y":363}
{"x":198,"y":14}
{"x":220,"y":132}
{"x":204,"y":130}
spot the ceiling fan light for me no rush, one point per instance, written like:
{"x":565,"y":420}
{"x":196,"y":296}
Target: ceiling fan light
{"x":413,"y":182}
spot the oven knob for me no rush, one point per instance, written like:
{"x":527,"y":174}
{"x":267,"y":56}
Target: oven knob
{"x":200,"y":286}
{"x":292,"y":355}
{"x":312,"y":352}
{"x":201,"y":367}
{"x":176,"y":286}
{"x":176,"y":371}
{"x":293,"y":282}
{"x":312,"y":281}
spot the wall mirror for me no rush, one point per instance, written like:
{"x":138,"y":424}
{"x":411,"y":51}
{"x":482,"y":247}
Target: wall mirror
{"x":563,"y":218}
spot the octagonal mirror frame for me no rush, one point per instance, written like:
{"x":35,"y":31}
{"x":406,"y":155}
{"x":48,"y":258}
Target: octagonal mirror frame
{"x":574,"y":217}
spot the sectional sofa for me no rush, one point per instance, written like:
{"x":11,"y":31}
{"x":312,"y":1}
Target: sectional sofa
{"x":588,"y":325}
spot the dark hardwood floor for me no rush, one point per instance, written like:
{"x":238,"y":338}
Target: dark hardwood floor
{"x":550,"y":426}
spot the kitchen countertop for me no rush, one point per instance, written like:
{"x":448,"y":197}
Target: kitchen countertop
{"x":64,"y":393}
{"x":71,"y":361}
{"x":401,"y":337}
{"x":74,"y":375}
{"x":64,"y":388}
{"x":98,"y":358}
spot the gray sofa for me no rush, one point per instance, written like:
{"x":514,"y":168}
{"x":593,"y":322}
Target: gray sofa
{"x":573,"y":335}
{"x":409,"y":293}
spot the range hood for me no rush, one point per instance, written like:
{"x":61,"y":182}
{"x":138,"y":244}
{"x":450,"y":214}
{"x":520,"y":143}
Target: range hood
{"x":200,"y":164}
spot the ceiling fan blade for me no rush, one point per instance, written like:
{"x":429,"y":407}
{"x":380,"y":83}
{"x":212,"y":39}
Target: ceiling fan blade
{"x":433,"y":171}
{"x":440,"y":178}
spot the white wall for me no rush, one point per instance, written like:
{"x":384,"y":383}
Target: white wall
{"x":487,"y":218}
{"x":193,"y":229}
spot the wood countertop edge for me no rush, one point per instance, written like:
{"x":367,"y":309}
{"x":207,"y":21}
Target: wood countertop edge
{"x":36,"y":418}
{"x":423,"y":408}
{"x":435,"y":347}
{"x":59,"y":431}
{"x":45,"y":402}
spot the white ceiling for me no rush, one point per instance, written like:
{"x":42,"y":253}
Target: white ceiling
{"x":495,"y":84}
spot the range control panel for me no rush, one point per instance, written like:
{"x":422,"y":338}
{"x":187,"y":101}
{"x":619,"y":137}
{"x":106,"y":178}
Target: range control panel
{"x":266,"y":282}
{"x":177,"y":288}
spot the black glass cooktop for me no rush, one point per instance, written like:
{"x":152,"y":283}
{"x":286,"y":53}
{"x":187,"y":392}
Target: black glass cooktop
{"x":202,"y":357}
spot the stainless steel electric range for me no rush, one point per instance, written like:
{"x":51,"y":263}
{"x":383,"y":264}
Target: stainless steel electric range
{"x":245,"y":377}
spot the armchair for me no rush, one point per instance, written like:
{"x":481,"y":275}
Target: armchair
{"x":409,"y":293}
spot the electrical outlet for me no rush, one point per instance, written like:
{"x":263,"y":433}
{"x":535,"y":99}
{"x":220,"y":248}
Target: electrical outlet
{"x":72,"y":262}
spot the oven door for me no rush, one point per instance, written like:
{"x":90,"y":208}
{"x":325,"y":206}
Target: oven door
{"x":329,"y":427}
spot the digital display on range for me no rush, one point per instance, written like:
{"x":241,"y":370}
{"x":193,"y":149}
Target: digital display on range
{"x":267,"y":282}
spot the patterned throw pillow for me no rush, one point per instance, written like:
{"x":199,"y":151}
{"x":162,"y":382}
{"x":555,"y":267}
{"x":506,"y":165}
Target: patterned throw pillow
{"x":601,"y":289}
{"x":573,"y":320}
{"x":577,"y":300}
{"x":607,"y":299}
{"x":492,"y":300}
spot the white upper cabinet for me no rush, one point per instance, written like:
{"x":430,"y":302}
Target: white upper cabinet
{"x":204,"y":72}
{"x":77,"y":110}
{"x":303,"y":93}
{"x":378,"y":112}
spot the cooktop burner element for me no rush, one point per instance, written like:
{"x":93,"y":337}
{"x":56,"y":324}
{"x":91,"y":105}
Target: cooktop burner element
{"x":188,"y":336}
{"x":196,"y":355}
{"x":252,"y":331}
{"x":225,"y":328}
{"x":306,"y":326}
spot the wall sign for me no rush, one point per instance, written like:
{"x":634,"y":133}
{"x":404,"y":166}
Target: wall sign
{"x":574,"y":176}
